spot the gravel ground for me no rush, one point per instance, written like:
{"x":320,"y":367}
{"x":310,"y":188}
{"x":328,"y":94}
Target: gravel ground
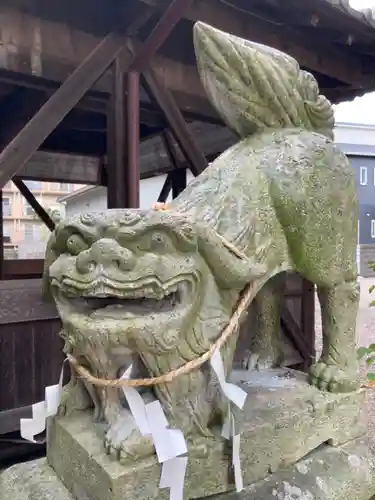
{"x":365,"y":336}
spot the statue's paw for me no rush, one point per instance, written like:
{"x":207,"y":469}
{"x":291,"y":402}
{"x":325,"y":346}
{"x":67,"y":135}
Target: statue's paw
{"x":124,"y":442}
{"x":332,"y":378}
{"x":263,"y":359}
{"x":73,"y":399}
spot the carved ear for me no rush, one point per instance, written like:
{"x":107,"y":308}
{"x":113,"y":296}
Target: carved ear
{"x":49,"y":259}
{"x":230,"y":271}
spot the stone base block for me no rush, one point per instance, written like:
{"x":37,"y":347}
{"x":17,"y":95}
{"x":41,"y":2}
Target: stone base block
{"x":328,"y":473}
{"x":283,"y":420}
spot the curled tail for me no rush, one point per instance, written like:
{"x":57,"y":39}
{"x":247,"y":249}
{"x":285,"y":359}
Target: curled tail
{"x":254,"y":87}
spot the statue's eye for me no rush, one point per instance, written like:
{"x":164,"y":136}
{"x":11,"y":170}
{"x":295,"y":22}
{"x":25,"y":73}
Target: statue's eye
{"x":154,"y":242}
{"x":75,"y":244}
{"x":159,"y":242}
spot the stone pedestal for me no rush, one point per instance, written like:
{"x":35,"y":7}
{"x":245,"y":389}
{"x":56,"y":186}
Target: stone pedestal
{"x":328,"y":473}
{"x":294,"y":438}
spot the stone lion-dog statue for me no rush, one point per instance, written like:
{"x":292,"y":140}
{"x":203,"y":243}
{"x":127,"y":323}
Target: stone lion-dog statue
{"x":155,"y":289}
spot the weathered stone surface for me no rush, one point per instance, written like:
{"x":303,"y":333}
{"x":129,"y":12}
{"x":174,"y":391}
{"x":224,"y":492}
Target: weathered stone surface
{"x":32,"y":481}
{"x":156,"y":288}
{"x":327,"y":474}
{"x":284,"y":419}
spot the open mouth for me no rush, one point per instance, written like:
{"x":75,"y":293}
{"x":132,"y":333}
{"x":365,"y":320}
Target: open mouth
{"x":103,"y":302}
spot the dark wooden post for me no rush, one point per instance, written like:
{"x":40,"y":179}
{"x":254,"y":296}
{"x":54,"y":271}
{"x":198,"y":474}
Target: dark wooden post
{"x":178,"y":174}
{"x":1,"y":237}
{"x":133,"y":138}
{"x":116,"y":157}
{"x":123,"y":169}
{"x":308,"y":320}
{"x":123,"y":186}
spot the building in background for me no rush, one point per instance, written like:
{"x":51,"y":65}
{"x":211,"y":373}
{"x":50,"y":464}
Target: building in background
{"x":358,"y":143}
{"x":94,"y":198}
{"x":25,"y":235}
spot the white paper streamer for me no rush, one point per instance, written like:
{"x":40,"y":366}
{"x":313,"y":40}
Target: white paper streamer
{"x":173,"y":477}
{"x":236,"y":462}
{"x":31,"y":427}
{"x":136,"y":406}
{"x":231,"y":391}
{"x":169,"y":443}
{"x":238,"y":397}
{"x":228,"y":432}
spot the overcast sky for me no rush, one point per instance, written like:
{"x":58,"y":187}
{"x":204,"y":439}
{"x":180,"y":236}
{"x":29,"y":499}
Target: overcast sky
{"x":362,"y":109}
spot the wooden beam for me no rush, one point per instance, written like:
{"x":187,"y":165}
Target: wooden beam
{"x":293,"y":332}
{"x":166,"y":189}
{"x":309,"y":51}
{"x":160,"y":33}
{"x":30,"y":138}
{"x":23,"y":268}
{"x":116,"y":140}
{"x":177,"y":176}
{"x":33,"y":202}
{"x":132,"y":167}
{"x":57,"y":61}
{"x":24,"y":145}
{"x":176,"y":121}
{"x":1,"y":237}
{"x":179,"y":181}
{"x":308,"y":319}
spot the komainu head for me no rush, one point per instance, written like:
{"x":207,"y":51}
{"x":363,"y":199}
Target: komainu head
{"x":131,"y":282}
{"x":254,"y":87}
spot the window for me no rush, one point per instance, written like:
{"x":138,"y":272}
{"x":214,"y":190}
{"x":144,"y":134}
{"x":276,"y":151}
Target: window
{"x":7,"y":229}
{"x":64,"y":186}
{"x":7,"y":207}
{"x":372,"y":228}
{"x":29,"y":233}
{"x":363,"y":176}
{"x":28,"y":209}
{"x":32,"y":232}
{"x":32,"y":185}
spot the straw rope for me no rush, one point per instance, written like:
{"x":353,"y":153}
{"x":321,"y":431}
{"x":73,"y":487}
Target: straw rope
{"x":246,"y":297}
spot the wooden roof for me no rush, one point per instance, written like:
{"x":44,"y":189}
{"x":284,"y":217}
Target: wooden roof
{"x":41,"y":43}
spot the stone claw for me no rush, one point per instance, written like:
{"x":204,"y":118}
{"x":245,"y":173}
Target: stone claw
{"x":260,"y":360}
{"x":332,"y":378}
{"x":124,"y":442}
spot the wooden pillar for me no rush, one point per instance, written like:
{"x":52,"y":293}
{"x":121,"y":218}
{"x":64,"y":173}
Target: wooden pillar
{"x":178,"y":181}
{"x":29,"y":139}
{"x":123,"y":157}
{"x":132,"y":169}
{"x":308,"y":319}
{"x":115,"y":171}
{"x":1,"y":237}
{"x":177,"y":176}
{"x":166,"y":189}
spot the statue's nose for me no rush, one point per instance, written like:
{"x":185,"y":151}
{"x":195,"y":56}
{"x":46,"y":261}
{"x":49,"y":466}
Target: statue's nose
{"x":106,"y":252}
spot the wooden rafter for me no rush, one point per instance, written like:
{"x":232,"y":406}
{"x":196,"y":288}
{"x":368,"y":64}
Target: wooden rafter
{"x":178,"y":174}
{"x":35,"y":205}
{"x":29,"y":139}
{"x":160,"y":94}
{"x":174,"y":12}
{"x":309,"y":51}
{"x":166,"y":189}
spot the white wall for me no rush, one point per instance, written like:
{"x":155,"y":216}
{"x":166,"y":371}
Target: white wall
{"x":95,"y":200}
{"x":355,"y":134}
